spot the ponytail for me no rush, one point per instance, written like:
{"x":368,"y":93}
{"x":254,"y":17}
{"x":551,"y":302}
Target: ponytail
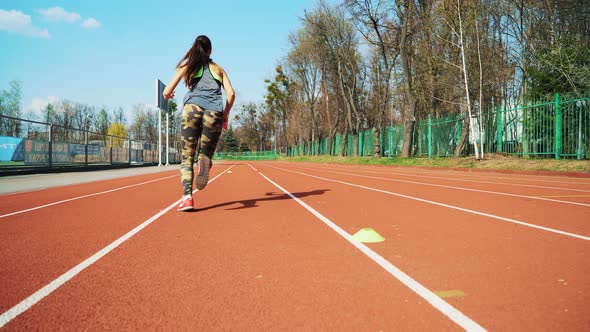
{"x":196,"y":57}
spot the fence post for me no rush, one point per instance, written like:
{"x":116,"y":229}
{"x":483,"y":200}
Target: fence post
{"x":50,"y":147}
{"x":361,"y":142}
{"x":500,"y":128}
{"x":390,"y":140}
{"x":111,"y":149}
{"x":86,"y":148}
{"x":579,"y":133}
{"x":129,"y":140}
{"x":429,"y":137}
{"x":526,"y":132}
{"x":557,"y":126}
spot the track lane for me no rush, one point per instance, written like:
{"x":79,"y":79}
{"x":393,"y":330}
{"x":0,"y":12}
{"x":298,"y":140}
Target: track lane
{"x":11,"y":203}
{"x":514,"y":278}
{"x":249,"y":258}
{"x":529,"y":210}
{"x":561,"y":195}
{"x":514,"y":179}
{"x":42,"y":244}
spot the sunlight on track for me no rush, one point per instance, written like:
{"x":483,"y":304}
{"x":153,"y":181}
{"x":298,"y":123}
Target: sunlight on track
{"x":445,"y":308}
{"x":547,"y":229}
{"x":542,"y":198}
{"x":84,"y":196}
{"x":27,"y":303}
{"x":464,"y":179}
{"x":466,"y":175}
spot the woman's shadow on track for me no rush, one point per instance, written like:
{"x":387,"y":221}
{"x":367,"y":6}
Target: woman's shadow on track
{"x":271,"y":196}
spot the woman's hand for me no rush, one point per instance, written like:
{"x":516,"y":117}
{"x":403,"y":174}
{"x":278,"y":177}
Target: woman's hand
{"x":225,"y":118}
{"x":168,"y":93}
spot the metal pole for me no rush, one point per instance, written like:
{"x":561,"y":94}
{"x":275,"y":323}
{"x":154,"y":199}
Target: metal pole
{"x":499,"y":128}
{"x":557,"y":126}
{"x":429,"y":137}
{"x":50,"y":148}
{"x":86,"y":148}
{"x":129,"y":152}
{"x":167,"y":134}
{"x":159,"y":137}
{"x":579,"y":133}
{"x":390,"y":132}
{"x":111,"y":148}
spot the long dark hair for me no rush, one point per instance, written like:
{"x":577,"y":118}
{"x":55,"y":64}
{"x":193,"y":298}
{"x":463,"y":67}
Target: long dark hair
{"x":195,"y":58}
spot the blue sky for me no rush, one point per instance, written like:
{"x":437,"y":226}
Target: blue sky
{"x":110,"y":53}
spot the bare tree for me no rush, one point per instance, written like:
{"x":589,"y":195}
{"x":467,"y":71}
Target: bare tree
{"x":102,"y":122}
{"x":247,"y":132}
{"x":404,"y":12}
{"x":339,"y":43}
{"x":279,"y":101}
{"x":10,"y":101}
{"x":304,"y":63}
{"x":119,"y":116}
{"x":378,"y":30}
{"x":464,"y":67}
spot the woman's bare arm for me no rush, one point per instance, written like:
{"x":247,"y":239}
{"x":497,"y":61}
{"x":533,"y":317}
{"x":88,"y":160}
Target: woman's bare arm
{"x":169,"y":90}
{"x":230,"y":96}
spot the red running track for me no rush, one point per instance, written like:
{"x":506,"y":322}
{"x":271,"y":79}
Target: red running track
{"x":269,"y":247}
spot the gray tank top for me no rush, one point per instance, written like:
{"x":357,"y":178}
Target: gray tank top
{"x":206,"y":93}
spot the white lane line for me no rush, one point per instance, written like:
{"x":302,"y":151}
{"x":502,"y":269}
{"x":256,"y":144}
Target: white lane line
{"x":541,"y":198}
{"x":83,"y":196}
{"x":445,"y":308}
{"x":27,"y":303}
{"x":490,"y":175}
{"x":547,"y":229}
{"x":477,"y":181}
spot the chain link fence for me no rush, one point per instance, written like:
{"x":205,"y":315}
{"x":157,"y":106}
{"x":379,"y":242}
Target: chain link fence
{"x":32,"y":144}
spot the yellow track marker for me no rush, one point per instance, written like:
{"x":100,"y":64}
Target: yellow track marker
{"x":368,"y":235}
{"x":449,"y":293}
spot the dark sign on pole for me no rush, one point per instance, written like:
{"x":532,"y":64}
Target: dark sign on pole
{"x":162,"y":103}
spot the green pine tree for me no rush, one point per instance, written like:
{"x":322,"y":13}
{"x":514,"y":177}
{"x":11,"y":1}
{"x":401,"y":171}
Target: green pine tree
{"x":230,"y":144}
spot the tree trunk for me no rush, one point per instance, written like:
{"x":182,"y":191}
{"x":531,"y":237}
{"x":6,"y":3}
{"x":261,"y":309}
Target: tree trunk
{"x":284,"y":141}
{"x":408,"y":137}
{"x":342,"y":145}
{"x":410,"y":112}
{"x":376,"y":143}
{"x":465,"y":78}
{"x":461,"y":144}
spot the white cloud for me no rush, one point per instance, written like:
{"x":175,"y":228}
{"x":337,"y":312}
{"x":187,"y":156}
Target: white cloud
{"x":58,"y":14}
{"x":91,"y":23}
{"x":18,"y":22}
{"x":39,"y":104}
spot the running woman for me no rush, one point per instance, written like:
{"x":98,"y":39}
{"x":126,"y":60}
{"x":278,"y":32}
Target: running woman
{"x":203,"y":114}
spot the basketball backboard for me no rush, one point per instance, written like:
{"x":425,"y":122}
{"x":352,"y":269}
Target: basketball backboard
{"x":162,"y":103}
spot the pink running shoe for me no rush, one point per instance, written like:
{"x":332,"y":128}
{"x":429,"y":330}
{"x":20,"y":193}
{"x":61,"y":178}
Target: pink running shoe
{"x":203,"y":174}
{"x":185,"y":204}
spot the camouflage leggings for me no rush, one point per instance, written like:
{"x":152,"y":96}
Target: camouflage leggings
{"x":197,"y":123}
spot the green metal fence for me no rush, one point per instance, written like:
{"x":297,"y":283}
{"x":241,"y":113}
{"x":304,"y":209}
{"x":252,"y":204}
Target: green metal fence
{"x":391,"y":140}
{"x":260,"y":155}
{"x":557,"y":127}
